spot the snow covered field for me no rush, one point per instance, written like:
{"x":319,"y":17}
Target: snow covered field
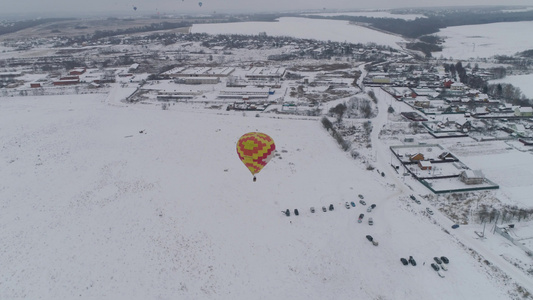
{"x":111,"y":201}
{"x":338,"y":31}
{"x":521,"y":81}
{"x":473,"y":41}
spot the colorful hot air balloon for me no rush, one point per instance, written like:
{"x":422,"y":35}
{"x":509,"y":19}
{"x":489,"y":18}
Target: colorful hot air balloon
{"x":255,"y":149}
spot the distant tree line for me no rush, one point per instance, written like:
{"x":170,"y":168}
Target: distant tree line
{"x":433,"y":22}
{"x":152,"y":27}
{"x":20,"y":25}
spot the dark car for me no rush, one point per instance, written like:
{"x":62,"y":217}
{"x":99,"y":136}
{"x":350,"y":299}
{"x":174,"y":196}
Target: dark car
{"x":404,"y":261}
{"x":331,"y":207}
{"x":412,"y":260}
{"x":296,"y":212}
{"x":444,"y":259}
{"x":435,"y":267}
{"x":373,"y":206}
{"x":361,"y":196}
{"x":437,"y":260}
{"x":361,"y":216}
{"x":324,"y":209}
{"x":312,"y":210}
{"x":352,"y":203}
{"x":455,"y":226}
{"x":362,"y":202}
{"x":370,"y":238}
{"x":288,"y":212}
{"x":412,"y":197}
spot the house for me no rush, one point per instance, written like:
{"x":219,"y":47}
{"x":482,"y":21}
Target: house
{"x":77,"y":71}
{"x":472,"y":177}
{"x":422,"y":102}
{"x":417,"y":157}
{"x":35,"y":85}
{"x":524,"y":112}
{"x":424,"y":165}
{"x":446,"y":155}
{"x":447,"y":83}
{"x":457,"y":86}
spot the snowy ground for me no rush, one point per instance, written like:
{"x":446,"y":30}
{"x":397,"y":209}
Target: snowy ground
{"x":521,"y":81}
{"x":112,"y":201}
{"x":478,"y":41}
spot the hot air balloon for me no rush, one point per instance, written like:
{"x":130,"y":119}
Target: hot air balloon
{"x":200,"y":4}
{"x":255,"y":149}
{"x":135,"y":8}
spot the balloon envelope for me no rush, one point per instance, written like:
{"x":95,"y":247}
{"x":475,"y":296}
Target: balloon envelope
{"x":255,"y":149}
{"x":200,"y":4}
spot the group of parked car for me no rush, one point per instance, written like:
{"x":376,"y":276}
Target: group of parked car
{"x":441,"y":263}
{"x":411,"y":261}
{"x":331,"y":207}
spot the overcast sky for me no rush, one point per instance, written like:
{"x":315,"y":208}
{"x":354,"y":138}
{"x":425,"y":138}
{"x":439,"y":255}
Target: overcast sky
{"x":66,"y":7}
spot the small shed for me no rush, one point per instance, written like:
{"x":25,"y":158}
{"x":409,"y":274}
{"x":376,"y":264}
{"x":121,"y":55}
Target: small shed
{"x":424,"y":165}
{"x":417,"y":157}
{"x":472,"y":176}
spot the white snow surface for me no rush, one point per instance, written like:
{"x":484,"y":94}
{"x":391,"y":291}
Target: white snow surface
{"x":521,"y":81}
{"x":338,"y":31}
{"x":108,"y":201}
{"x":483,"y":41}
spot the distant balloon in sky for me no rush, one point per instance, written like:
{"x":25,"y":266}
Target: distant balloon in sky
{"x":135,"y":8}
{"x":200,"y":4}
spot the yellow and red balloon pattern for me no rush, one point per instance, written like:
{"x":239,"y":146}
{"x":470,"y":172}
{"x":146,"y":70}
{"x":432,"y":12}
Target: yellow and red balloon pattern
{"x":255,"y":149}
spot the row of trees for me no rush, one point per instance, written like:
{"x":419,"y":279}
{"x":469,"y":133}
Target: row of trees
{"x":505,"y":214}
{"x":345,"y":145}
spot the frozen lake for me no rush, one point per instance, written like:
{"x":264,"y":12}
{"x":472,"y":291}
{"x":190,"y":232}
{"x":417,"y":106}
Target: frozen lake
{"x":338,"y":31}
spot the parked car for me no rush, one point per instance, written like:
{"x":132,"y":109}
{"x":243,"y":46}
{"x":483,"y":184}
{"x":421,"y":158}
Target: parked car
{"x":288,"y":213}
{"x":429,"y":211}
{"x":437,"y":260}
{"x":369,"y":209}
{"x":361,"y":196}
{"x":312,"y":210}
{"x":352,"y":203}
{"x":347,"y":205}
{"x":370,"y":221}
{"x":412,"y":261}
{"x":418,"y":201}
{"x":444,"y":259}
{"x":324,"y":209}
{"x":331,"y":207}
{"x":361,"y":216}
{"x":435,"y":267}
{"x":370,"y":238}
{"x":373,"y":206}
{"x":362,"y":202}
{"x":404,"y":261}
{"x":296,"y":212}
{"x":412,"y":197}
{"x":455,"y":226}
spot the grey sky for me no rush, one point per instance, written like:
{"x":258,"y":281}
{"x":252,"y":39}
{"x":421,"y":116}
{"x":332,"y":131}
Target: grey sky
{"x":66,"y":7}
